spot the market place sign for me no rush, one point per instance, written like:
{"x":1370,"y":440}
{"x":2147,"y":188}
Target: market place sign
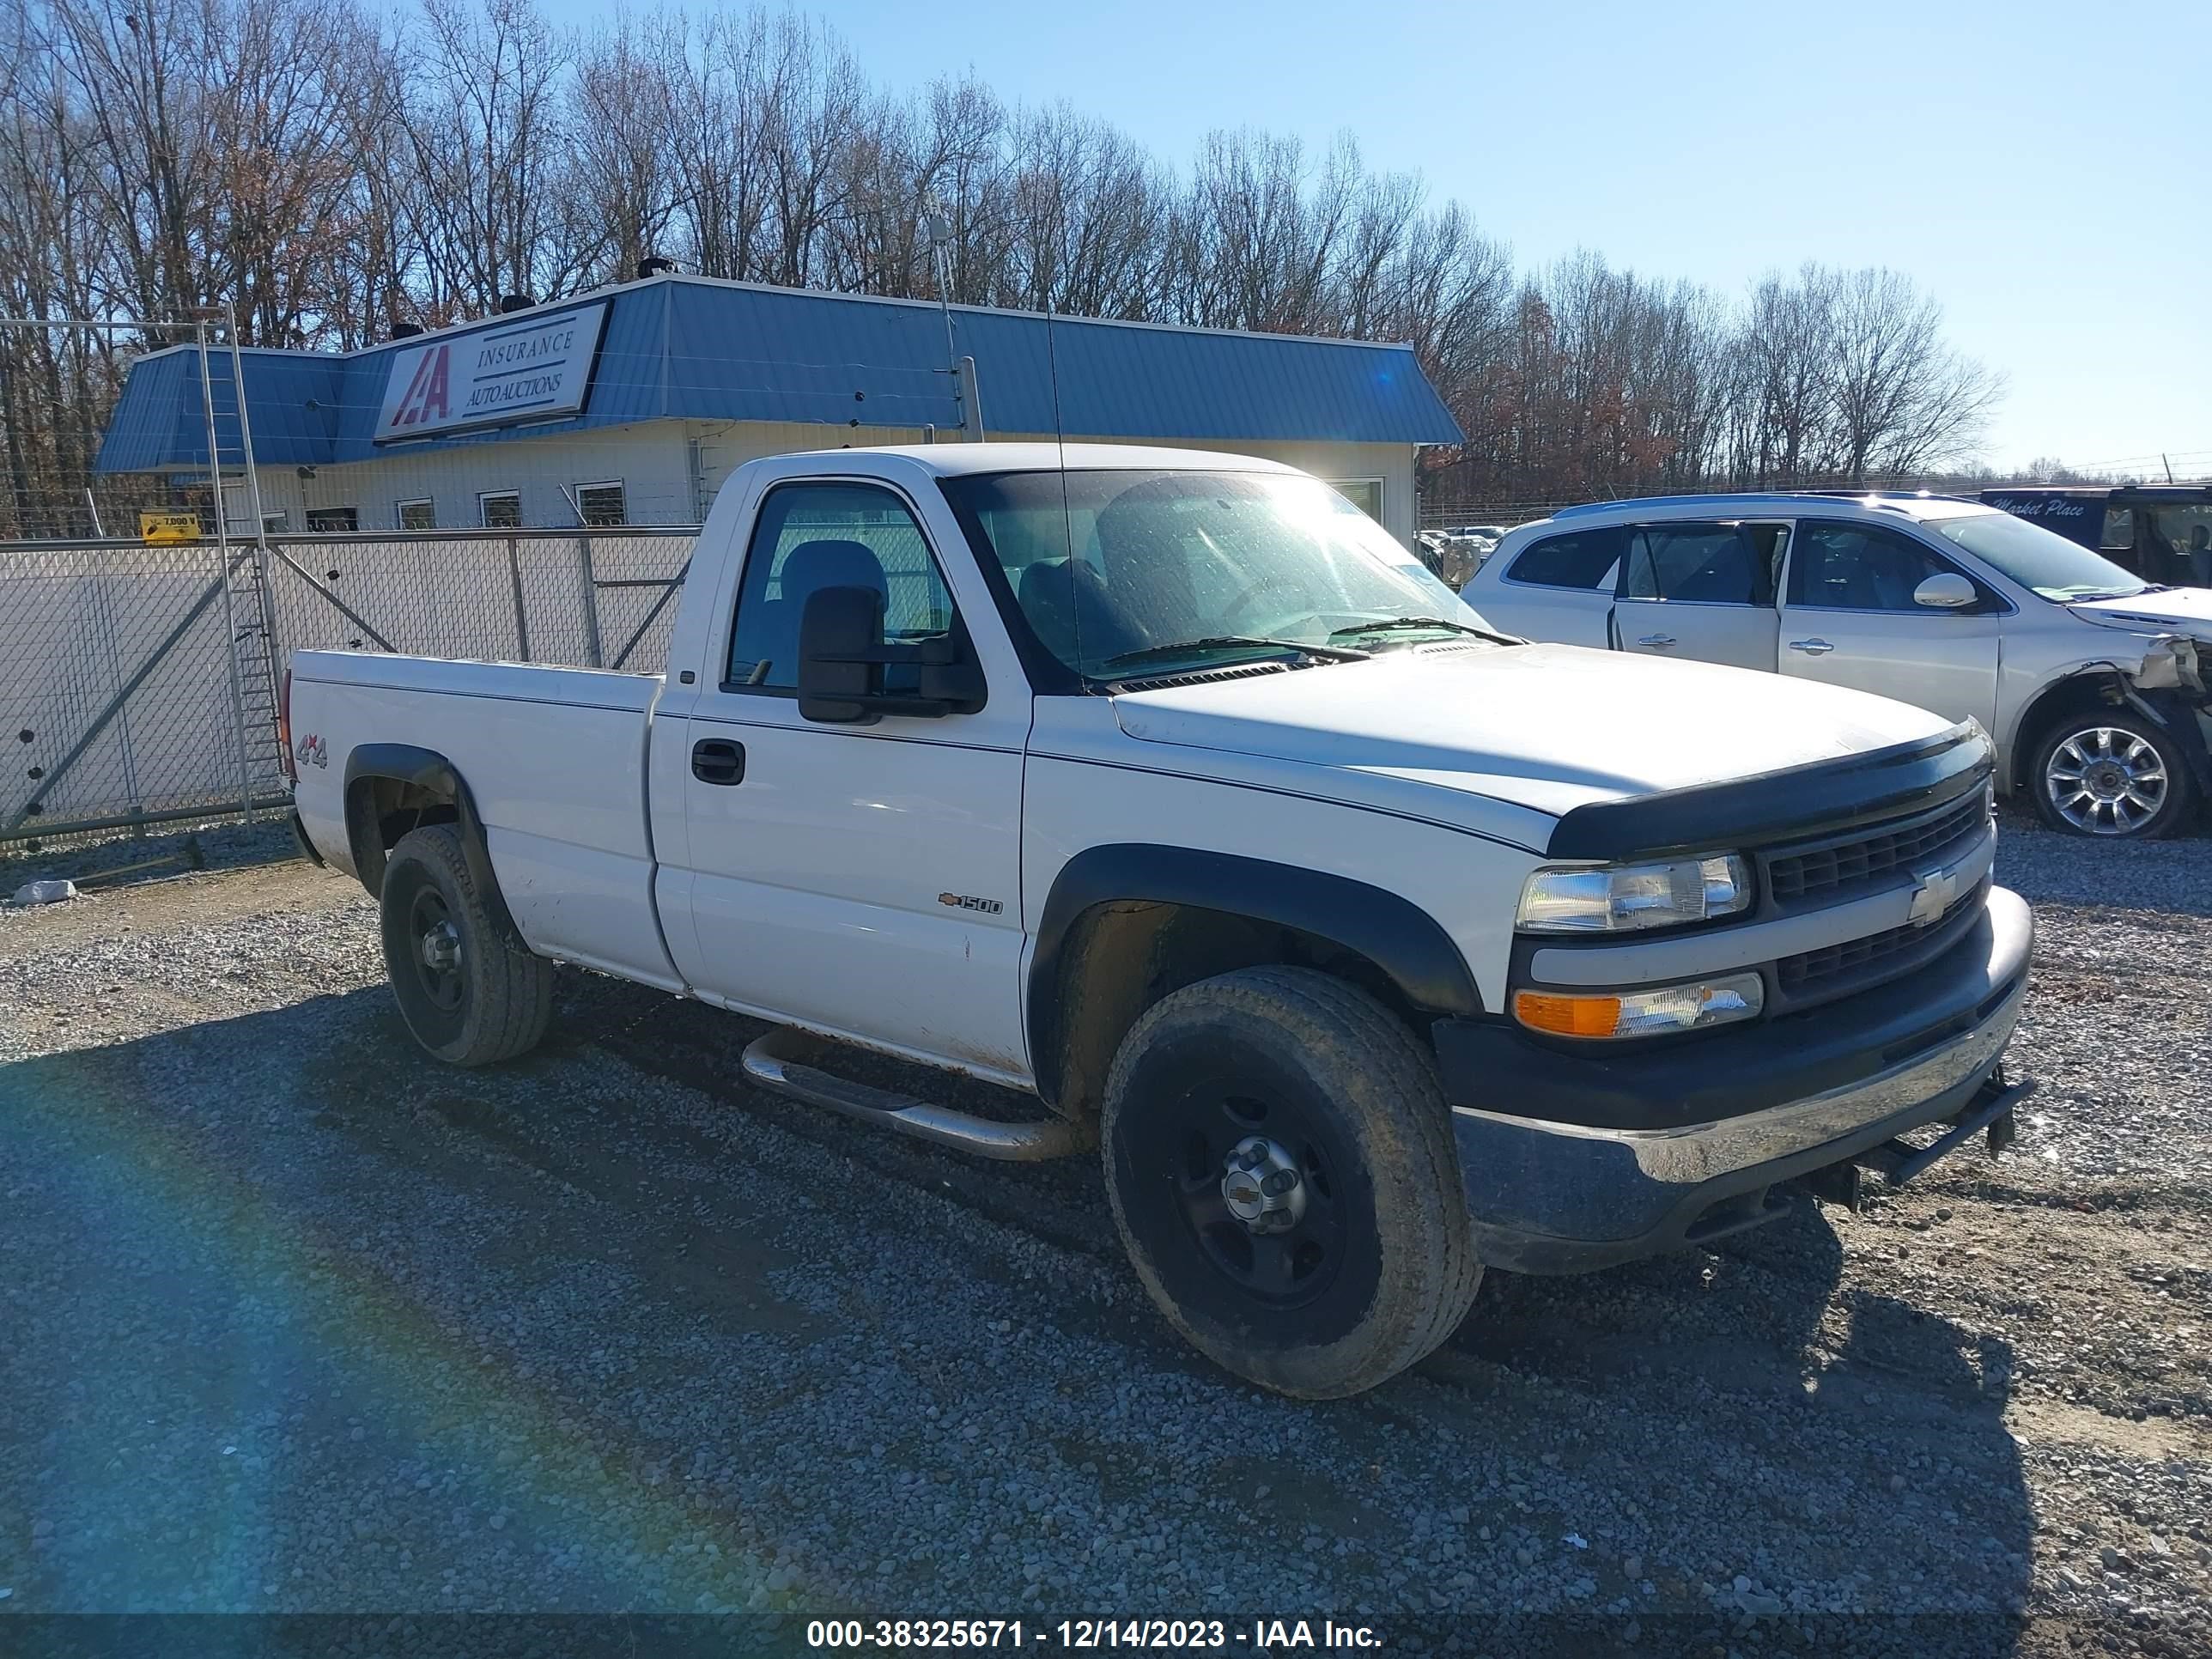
{"x":527,"y":368}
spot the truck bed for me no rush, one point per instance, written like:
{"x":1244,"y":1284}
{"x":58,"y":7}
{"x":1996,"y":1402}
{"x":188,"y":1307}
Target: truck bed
{"x":555,"y":759}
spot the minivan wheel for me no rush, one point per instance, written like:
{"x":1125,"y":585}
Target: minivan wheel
{"x":468,"y":993}
{"x":2111,"y":773}
{"x":1281,"y":1164}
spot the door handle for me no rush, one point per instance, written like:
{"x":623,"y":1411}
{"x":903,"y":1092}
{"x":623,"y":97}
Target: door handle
{"x":716,"y":759}
{"x":1657,"y":641}
{"x":1812,"y":647}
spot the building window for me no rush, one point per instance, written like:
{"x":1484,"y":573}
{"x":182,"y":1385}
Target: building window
{"x":278,"y":521}
{"x":602,"y":503}
{"x":1366,"y":494}
{"x":500,"y":509}
{"x":333,"y":517}
{"x":423,"y":514}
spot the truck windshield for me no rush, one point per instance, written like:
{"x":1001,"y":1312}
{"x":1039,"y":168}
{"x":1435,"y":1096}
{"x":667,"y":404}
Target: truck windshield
{"x":1178,"y":569}
{"x":2039,"y":560}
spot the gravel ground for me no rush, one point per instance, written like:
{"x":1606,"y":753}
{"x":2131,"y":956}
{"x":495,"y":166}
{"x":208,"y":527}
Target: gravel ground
{"x":297,"y":1321}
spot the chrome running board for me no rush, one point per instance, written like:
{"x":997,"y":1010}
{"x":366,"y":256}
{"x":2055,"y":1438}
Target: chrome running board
{"x":785,"y":1061}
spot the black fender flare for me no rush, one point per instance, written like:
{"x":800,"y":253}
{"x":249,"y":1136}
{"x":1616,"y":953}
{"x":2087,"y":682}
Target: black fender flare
{"x":1400,"y":938}
{"x":430,"y":771}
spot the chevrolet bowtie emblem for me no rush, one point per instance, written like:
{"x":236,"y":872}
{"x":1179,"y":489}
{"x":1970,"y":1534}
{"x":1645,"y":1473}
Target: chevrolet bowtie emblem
{"x":1933,"y":896}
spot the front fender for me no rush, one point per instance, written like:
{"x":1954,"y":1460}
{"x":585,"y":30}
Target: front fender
{"x":1409,"y":946}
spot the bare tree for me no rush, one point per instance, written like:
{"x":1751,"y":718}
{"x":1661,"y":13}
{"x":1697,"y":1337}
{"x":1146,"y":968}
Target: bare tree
{"x":483,"y":129}
{"x":623,"y":179}
{"x":330,"y":172}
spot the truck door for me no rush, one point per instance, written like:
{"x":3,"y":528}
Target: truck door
{"x":857,"y":879}
{"x":1702,"y":591}
{"x":1848,"y":618}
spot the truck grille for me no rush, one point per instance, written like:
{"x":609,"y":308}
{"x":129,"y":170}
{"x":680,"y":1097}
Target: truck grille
{"x":1822,"y":875}
{"x":1836,"y":969}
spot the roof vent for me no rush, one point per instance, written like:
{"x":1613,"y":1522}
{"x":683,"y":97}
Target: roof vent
{"x":511,"y":303}
{"x":405,"y":331}
{"x":653,"y":266}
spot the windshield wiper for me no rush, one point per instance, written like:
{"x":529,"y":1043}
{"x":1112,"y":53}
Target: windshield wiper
{"x":1221,"y":641}
{"x":1395,"y":623}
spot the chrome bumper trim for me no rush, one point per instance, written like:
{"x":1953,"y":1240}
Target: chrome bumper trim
{"x":1700,"y":1152}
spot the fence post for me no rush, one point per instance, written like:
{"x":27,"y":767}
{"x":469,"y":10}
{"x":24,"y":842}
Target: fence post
{"x":223,"y":574}
{"x":514,"y":572}
{"x":590,"y":601}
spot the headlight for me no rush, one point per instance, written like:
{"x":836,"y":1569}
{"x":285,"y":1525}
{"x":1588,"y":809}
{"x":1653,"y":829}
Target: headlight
{"x":1641,"y":1013}
{"x":1623,"y":897}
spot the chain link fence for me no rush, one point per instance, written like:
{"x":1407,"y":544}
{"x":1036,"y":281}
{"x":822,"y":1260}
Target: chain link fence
{"x":128,"y":672}
{"x":1451,"y":515}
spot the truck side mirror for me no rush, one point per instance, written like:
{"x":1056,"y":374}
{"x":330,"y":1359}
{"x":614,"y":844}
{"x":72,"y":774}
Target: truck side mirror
{"x":843,"y":656}
{"x":1947,"y":590}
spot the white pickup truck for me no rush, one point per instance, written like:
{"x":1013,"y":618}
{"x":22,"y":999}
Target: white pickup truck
{"x":1371,"y":946}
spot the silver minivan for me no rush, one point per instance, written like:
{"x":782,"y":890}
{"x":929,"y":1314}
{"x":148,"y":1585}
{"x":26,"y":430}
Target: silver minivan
{"x":2096,"y":685}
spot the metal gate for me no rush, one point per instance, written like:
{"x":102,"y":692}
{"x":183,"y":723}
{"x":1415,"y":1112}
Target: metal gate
{"x":138,"y":683}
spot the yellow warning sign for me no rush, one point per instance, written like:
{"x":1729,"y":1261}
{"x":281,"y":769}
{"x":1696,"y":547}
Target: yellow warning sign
{"x":169,"y":527}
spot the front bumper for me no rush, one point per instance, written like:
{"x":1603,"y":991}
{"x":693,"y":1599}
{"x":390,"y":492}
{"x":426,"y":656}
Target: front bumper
{"x":1610,"y":1157}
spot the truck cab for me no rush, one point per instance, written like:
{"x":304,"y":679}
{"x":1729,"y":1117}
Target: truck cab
{"x":1370,"y":946}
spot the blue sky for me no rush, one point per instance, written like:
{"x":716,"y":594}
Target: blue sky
{"x":2044,"y":170}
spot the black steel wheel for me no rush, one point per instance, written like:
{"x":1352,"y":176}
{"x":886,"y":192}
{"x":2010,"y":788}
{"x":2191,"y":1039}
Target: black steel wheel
{"x":470,"y":993}
{"x":1281,"y":1164}
{"x":436,"y":950}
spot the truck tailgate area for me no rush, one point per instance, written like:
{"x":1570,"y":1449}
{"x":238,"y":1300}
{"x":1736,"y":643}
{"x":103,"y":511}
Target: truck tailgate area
{"x":555,"y":759}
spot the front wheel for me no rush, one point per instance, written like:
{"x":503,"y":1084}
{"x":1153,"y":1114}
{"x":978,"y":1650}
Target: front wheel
{"x":2111,"y":773}
{"x":469,"y":993}
{"x":1281,"y":1164}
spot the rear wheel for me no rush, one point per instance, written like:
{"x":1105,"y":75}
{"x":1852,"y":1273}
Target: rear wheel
{"x":2111,"y":773}
{"x":469,"y":993}
{"x":1280,"y":1164}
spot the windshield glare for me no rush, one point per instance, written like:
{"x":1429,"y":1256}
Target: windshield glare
{"x":2039,"y":560}
{"x":1164,"y":558}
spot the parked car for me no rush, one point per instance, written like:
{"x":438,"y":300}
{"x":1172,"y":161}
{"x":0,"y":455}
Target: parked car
{"x":2160,"y":533}
{"x":2092,"y":682}
{"x":1489,"y":534}
{"x":1450,"y":559}
{"x":1370,"y":946}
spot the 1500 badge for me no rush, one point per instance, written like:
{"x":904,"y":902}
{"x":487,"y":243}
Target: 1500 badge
{"x":969,"y":901}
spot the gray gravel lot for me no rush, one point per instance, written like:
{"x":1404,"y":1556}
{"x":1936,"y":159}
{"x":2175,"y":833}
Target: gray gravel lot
{"x":298,"y":1320}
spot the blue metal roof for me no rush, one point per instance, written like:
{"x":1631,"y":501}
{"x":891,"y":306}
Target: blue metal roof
{"x":161,"y":421}
{"x":688,"y":348}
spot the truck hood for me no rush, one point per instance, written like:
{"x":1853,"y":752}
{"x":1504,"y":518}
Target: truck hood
{"x":1549,"y":728}
{"x":2177,"y":610}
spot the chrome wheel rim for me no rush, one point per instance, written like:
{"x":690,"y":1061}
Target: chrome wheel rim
{"x":2105,"y":782}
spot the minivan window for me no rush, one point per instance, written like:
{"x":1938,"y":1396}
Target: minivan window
{"x":1848,"y":566}
{"x":1581,"y":560}
{"x":2044,"y":563}
{"x":1692,"y":564}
